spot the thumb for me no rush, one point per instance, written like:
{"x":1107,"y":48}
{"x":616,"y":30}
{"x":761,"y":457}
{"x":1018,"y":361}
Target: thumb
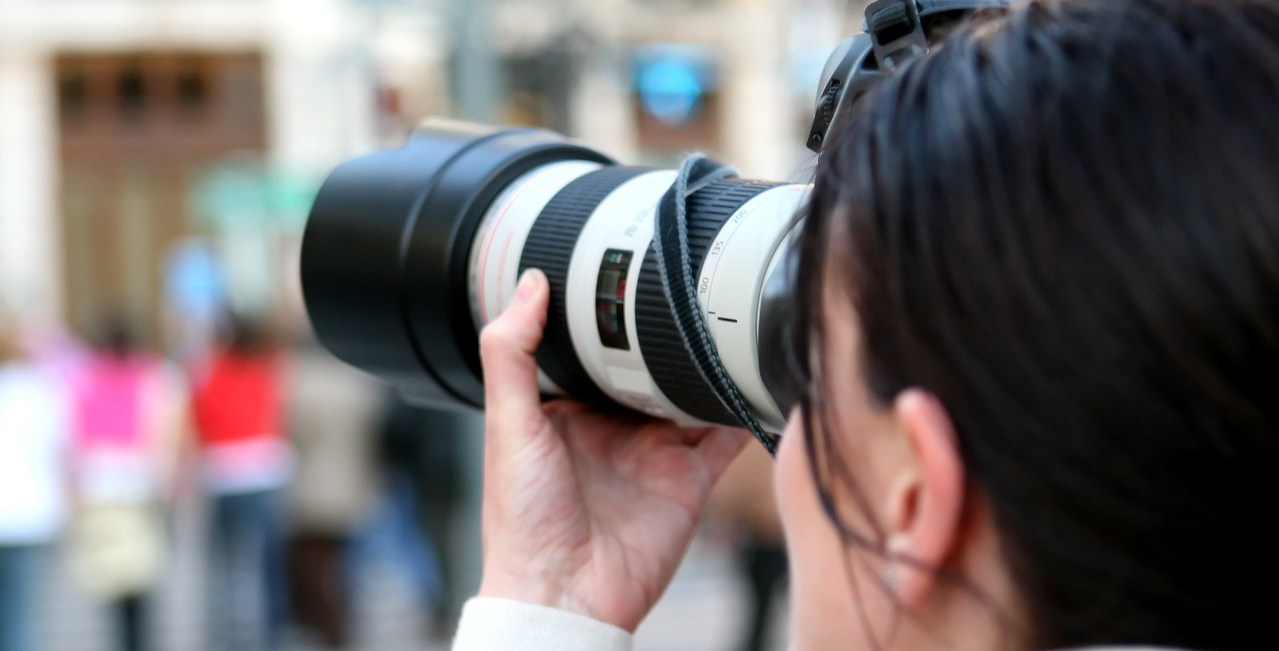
{"x":507,"y":345}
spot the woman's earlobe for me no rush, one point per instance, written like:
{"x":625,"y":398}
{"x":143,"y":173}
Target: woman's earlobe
{"x":895,"y":553}
{"x":927,"y":529}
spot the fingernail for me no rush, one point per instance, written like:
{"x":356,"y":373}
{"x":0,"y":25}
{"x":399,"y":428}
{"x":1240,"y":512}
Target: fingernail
{"x":525,"y":288}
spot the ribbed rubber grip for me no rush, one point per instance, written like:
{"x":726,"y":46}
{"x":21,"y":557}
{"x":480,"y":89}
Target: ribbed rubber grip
{"x":550,"y":248}
{"x":671,"y":365}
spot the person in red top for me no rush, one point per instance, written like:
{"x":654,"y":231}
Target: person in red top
{"x":247,"y":463}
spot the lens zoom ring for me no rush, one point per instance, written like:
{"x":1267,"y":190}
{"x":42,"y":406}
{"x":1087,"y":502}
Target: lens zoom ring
{"x":550,"y":248}
{"x":671,"y":365}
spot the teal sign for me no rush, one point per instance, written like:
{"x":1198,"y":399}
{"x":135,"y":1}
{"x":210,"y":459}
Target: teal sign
{"x":248,"y":197}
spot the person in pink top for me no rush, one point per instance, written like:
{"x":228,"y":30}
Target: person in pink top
{"x":125,"y":410}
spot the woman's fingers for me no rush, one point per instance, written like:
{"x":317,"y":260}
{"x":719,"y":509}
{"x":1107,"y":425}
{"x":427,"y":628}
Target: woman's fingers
{"x":507,"y":345}
{"x":511,"y":395}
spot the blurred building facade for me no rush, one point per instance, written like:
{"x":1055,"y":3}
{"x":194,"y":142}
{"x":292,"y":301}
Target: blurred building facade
{"x":130,"y":127}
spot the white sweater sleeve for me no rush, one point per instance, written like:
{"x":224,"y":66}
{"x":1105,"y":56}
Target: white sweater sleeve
{"x":490,"y":624}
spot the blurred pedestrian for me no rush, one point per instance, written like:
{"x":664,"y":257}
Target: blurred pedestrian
{"x":32,"y":502}
{"x":743,"y":500}
{"x":421,"y":452}
{"x":334,"y":412}
{"x":127,"y":405}
{"x":247,"y":464}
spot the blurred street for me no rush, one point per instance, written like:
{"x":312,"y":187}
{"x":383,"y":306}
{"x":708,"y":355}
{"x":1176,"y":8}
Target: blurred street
{"x":702,"y":611}
{"x":706,"y":609}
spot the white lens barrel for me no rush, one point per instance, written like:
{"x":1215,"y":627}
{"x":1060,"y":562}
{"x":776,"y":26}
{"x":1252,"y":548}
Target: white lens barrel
{"x":495,"y":255}
{"x":730,"y":284}
{"x":730,"y":280}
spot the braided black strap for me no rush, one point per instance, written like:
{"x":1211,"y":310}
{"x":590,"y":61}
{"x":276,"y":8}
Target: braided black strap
{"x":670,"y":247}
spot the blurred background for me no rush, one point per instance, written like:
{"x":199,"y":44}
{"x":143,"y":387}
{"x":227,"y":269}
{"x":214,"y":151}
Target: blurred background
{"x":180,"y":466}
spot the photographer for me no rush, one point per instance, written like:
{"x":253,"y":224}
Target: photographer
{"x":1040,"y":333}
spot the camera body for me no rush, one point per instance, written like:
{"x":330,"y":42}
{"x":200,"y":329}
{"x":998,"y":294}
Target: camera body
{"x":670,"y":289}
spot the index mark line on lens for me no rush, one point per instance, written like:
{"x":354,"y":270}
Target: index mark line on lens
{"x":724,"y":318}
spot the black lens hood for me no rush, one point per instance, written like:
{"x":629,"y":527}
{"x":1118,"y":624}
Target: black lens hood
{"x":386,"y":248}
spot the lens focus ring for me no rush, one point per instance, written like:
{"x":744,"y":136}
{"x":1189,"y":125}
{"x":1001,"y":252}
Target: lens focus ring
{"x":672,"y":366}
{"x":550,"y":248}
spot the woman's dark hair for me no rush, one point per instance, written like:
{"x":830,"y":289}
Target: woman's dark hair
{"x":1064,"y":223}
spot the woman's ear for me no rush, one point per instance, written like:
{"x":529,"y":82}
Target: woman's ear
{"x":927,"y":501}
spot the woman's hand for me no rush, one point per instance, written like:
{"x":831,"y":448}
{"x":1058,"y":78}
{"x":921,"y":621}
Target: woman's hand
{"x":584,"y":511}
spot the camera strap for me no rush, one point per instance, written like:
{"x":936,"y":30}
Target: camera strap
{"x":670,"y":247}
